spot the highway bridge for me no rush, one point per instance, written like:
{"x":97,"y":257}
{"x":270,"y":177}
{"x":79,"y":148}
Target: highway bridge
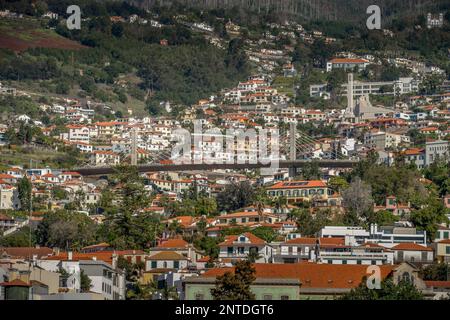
{"x":288,"y":164}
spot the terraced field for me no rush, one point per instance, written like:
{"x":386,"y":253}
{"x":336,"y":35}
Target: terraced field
{"x":21,"y":34}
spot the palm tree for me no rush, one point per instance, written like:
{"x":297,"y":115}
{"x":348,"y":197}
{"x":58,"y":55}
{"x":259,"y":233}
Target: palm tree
{"x":141,"y":292}
{"x":168,"y":293}
{"x":281,"y":203}
{"x":260,"y":202}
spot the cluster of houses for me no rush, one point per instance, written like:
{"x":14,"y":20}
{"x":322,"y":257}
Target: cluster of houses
{"x":292,"y":267}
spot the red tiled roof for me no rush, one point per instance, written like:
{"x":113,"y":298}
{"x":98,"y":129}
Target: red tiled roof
{"x":312,"y":241}
{"x":167,"y":255}
{"x":347,"y":60}
{"x":105,"y":256}
{"x":173,"y":243}
{"x":413,"y":151}
{"x":298,"y":184}
{"x":439,"y":284}
{"x":26,"y":252}
{"x":409,"y":246}
{"x":4,"y":217}
{"x":239,"y":214}
{"x":445,"y":241}
{"x":6,"y":176}
{"x":229,"y":240}
{"x":311,"y":275}
{"x":14,"y":283}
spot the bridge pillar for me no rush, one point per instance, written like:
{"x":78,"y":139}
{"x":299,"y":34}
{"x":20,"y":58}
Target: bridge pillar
{"x":292,"y":172}
{"x":292,"y":142}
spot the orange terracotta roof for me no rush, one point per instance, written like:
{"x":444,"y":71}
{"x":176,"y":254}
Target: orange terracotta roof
{"x":173,"y":243}
{"x":311,"y":275}
{"x":167,"y":255}
{"x":239,"y":214}
{"x":413,"y":151}
{"x":409,"y":246}
{"x":229,"y":240}
{"x":323,"y":241}
{"x":347,"y":60}
{"x":4,"y":217}
{"x":6,"y":176}
{"x":298,"y":184}
{"x":25,"y":252}
{"x":105,"y":256}
{"x":184,"y":220}
{"x":439,"y":284}
{"x":14,"y":283}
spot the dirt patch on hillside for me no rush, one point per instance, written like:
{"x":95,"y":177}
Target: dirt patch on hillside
{"x":19,"y":45}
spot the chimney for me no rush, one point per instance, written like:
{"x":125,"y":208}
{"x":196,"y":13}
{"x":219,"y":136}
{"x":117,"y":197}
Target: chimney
{"x":114,"y":261}
{"x":69,"y":255}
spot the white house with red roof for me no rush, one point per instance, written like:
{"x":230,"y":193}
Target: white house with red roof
{"x":237,"y":247}
{"x":104,"y":157}
{"x":178,"y":246}
{"x":70,"y":175}
{"x":298,"y":191}
{"x":412,"y":252}
{"x":347,"y":64}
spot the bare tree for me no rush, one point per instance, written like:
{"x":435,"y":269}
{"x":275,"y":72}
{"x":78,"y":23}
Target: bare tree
{"x":358,"y":198}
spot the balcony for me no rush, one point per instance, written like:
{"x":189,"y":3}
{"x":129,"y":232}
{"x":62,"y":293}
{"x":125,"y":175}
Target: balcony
{"x":360,"y":255}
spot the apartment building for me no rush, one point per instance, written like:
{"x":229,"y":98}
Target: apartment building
{"x":347,"y":64}
{"x":298,"y":191}
{"x":387,"y":236}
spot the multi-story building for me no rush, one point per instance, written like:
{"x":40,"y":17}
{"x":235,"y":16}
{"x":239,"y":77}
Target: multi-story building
{"x":387,"y":236}
{"x":347,"y":64}
{"x":298,"y":191}
{"x":434,"y":150}
{"x":381,"y":140}
{"x":8,"y":197}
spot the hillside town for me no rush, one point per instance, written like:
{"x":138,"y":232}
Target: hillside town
{"x":309,"y":230}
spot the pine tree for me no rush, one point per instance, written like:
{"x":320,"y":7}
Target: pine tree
{"x":24,"y":188}
{"x":235,"y":286}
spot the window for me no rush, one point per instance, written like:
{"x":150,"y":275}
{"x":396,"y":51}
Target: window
{"x":446,"y":233}
{"x":230,"y":250}
{"x":284,"y":297}
{"x":447,"y":250}
{"x":358,"y":262}
{"x":176,"y":264}
{"x":406,"y":277}
{"x":267,"y":297}
{"x":153,"y":264}
{"x":344,"y":261}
